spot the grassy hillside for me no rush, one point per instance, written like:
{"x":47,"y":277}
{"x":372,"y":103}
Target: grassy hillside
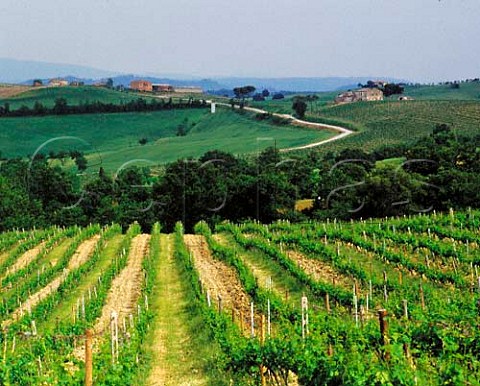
{"x":113,"y":138}
{"x":74,"y":96}
{"x":467,"y":91}
{"x":284,"y":106}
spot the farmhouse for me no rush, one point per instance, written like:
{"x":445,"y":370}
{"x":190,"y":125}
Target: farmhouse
{"x":162,"y":88}
{"x":57,"y":82}
{"x":364,"y":94}
{"x":141,"y":85}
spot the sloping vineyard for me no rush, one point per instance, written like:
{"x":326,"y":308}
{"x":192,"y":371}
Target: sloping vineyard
{"x":392,"y":301}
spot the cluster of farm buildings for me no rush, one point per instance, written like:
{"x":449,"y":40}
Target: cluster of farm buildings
{"x":373,"y":92}
{"x":147,"y":86}
{"x":136,"y":85}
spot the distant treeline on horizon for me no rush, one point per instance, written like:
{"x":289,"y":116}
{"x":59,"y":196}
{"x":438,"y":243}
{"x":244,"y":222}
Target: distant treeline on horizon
{"x":61,"y":107}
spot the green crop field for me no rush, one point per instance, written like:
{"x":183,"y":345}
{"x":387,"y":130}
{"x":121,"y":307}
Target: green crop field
{"x":391,"y":301}
{"x":466,"y":91}
{"x":74,"y":96}
{"x":112,"y":139}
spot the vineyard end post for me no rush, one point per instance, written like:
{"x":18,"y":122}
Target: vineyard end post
{"x":88,"y":358}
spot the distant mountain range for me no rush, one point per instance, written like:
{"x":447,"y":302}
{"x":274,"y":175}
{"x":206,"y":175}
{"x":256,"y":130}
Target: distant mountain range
{"x":23,"y":72}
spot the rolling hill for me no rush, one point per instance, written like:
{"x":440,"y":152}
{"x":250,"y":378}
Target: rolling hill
{"x":109,"y":140}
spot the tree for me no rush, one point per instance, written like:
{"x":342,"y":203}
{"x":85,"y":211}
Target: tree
{"x":392,"y":89}
{"x":243,"y":92}
{"x":181,"y":132}
{"x":109,"y":83}
{"x":39,"y":108}
{"x":61,"y":106}
{"x":81,"y":163}
{"x":258,"y":97}
{"x":390,"y":192}
{"x":300,"y":106}
{"x":16,"y":208}
{"x":265,"y":93}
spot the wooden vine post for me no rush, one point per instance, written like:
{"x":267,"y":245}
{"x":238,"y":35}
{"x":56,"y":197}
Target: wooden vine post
{"x":5,"y":340}
{"x":422,"y":297}
{"x":304,"y":317}
{"x":382,"y":314}
{"x":262,"y":341}
{"x":88,"y":358}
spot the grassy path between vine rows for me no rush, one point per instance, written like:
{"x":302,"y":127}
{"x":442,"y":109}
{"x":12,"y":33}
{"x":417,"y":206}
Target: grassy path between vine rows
{"x":64,"y":309}
{"x":49,"y":258}
{"x":81,"y":255}
{"x":126,"y":287}
{"x":177,"y":354}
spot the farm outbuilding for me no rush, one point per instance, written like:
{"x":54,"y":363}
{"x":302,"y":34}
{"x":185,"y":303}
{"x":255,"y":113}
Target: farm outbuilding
{"x":162,"y":88}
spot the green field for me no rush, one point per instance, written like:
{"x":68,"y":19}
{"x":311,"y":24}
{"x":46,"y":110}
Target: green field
{"x":112,"y":139}
{"x":466,"y":91}
{"x":74,"y":96}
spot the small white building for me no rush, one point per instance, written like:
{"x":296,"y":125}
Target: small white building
{"x":58,"y":82}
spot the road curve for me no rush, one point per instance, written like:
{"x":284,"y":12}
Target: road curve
{"x":342,"y":131}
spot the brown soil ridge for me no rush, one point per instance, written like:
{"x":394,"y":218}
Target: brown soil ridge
{"x":24,"y":260}
{"x":319,"y":270}
{"x":262,"y":277}
{"x":126,"y":287}
{"x":219,"y":279}
{"x":81,"y":255}
{"x":10,"y":90}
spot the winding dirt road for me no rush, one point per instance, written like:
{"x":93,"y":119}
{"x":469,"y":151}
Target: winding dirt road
{"x":342,"y":131}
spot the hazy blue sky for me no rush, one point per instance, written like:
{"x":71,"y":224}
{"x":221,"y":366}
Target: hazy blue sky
{"x":414,"y":39}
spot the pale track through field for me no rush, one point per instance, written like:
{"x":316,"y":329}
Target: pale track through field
{"x":12,"y":90}
{"x":342,"y":131}
{"x":24,"y":260}
{"x":220,"y":279}
{"x":173,"y":360}
{"x":80,"y":257}
{"x":126,"y":287}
